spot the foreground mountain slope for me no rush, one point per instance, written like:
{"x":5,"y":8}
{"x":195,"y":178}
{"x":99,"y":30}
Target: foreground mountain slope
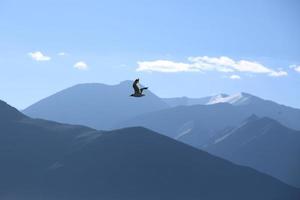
{"x":42,"y":159}
{"x":136,"y":163}
{"x":263,"y":144}
{"x":28,"y":147}
{"x":96,"y":105}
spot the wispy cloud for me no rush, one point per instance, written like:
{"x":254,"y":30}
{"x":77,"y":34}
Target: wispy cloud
{"x":295,"y":67}
{"x":278,"y":73}
{"x":221,"y":64}
{"x":235,"y":77}
{"x":39,"y":56}
{"x":81,"y":65}
{"x":164,"y":66}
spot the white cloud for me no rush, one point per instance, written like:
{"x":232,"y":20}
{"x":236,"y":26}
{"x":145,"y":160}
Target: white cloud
{"x":221,"y":64}
{"x":278,"y":73}
{"x":295,"y":67}
{"x":81,"y":65}
{"x":164,"y":66}
{"x":235,"y":77}
{"x":39,"y":56}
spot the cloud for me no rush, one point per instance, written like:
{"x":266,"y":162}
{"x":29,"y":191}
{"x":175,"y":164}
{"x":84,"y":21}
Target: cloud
{"x":164,"y":66}
{"x":221,"y":64}
{"x":278,"y":73}
{"x":39,"y":56}
{"x":235,"y":77}
{"x":295,"y":67}
{"x":81,"y":65}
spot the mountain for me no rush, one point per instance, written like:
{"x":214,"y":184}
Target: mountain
{"x":106,"y":106}
{"x":96,"y":105}
{"x":187,"y":101}
{"x":47,"y":160}
{"x":235,"y":99}
{"x":241,"y":98}
{"x":28,"y":147}
{"x":288,"y":116}
{"x":263,"y":144}
{"x":199,"y":125}
{"x":194,"y":125}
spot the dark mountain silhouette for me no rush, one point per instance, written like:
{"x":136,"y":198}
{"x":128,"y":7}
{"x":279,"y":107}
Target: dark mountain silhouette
{"x":263,"y":144}
{"x":96,"y":105}
{"x":47,"y":160}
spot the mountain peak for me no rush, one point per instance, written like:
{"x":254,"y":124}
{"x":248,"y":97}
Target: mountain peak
{"x":252,"y":118}
{"x":94,"y":104}
{"x":8,"y":112}
{"x":240,"y":98}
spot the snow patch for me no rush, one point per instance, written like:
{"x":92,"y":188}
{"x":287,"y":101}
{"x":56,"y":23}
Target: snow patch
{"x":183,"y":133}
{"x":185,"y":129}
{"x":235,"y":99}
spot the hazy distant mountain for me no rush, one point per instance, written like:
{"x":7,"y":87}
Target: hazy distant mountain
{"x":47,"y":160}
{"x":288,"y":116}
{"x":198,"y":125}
{"x":96,"y":105}
{"x":235,"y":99}
{"x":194,"y":125}
{"x":264,"y":144}
{"x":187,"y":101}
{"x":105,"y":106}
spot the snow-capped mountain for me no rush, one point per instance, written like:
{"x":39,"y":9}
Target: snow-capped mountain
{"x":235,"y":99}
{"x":240,"y":98}
{"x":251,"y":104}
{"x":187,"y":101}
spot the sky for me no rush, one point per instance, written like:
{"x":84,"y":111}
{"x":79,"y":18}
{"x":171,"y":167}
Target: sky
{"x":191,"y":48}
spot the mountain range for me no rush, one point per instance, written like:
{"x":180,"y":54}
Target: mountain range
{"x":196,"y":122}
{"x":263,"y":144}
{"x":105,"y":106}
{"x":199,"y":125}
{"x":47,"y":160}
{"x":95,"y":105}
{"x":288,"y":116}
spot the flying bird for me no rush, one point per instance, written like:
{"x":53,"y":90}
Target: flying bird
{"x":138,"y":92}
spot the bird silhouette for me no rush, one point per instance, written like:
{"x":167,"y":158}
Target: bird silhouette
{"x":138,"y":92}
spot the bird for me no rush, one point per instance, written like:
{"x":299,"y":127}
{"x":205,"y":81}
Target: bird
{"x":138,"y":92}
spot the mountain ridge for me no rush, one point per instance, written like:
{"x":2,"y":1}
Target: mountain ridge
{"x":264,"y":144}
{"x":96,"y":105}
{"x":61,"y":162}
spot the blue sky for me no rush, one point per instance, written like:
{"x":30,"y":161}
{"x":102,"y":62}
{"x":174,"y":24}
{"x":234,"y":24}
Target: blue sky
{"x":177,"y":48}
